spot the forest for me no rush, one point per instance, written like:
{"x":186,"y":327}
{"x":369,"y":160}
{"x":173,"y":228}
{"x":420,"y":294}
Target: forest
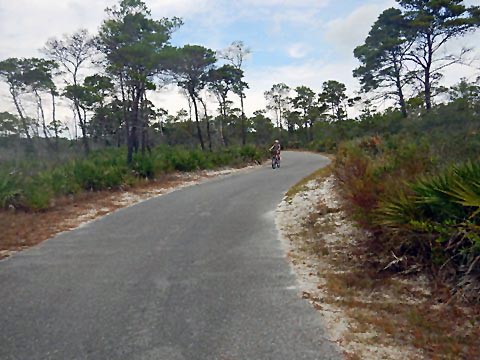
{"x":409,"y":171}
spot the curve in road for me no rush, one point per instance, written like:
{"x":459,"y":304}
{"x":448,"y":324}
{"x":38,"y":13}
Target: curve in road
{"x":195,"y":274}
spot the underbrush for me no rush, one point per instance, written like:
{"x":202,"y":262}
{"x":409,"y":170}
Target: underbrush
{"x":31,"y":186}
{"x":420,"y":207}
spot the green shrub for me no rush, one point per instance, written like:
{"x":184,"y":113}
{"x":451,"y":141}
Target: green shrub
{"x":37,"y":192}
{"x":442,"y":212}
{"x":250,"y":153}
{"x":144,"y":166}
{"x":162,"y":163}
{"x":35,"y":184}
{"x":182,"y":160}
{"x":63,"y":181}
{"x":10,"y":188}
{"x":200,"y":159}
{"x":95,"y":174}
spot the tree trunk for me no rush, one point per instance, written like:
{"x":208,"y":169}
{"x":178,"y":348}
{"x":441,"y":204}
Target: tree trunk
{"x":244,"y":130}
{"x":308,"y":125}
{"x":20,"y":113}
{"x":280,"y":113}
{"x":144,"y":141}
{"x":144,"y":118}
{"x":44,"y":123}
{"x":199,"y":130}
{"x":54,"y":120}
{"x":401,"y":98}
{"x":83,"y":127}
{"x":209,"y":135}
{"x":119,"y":135}
{"x":220,"y":128}
{"x":125,"y":115}
{"x":130,"y":149}
{"x":226,"y":139}
{"x":427,"y":79}
{"x":428,"y":91}
{"x":81,"y":122}
{"x":398,"y":84}
{"x":133,"y":138}
{"x":75,"y":124}
{"x":29,"y":146}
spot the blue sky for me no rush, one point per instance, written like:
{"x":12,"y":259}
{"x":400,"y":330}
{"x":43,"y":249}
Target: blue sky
{"x":269,"y":27}
{"x":278,"y":32}
{"x":299,"y":42}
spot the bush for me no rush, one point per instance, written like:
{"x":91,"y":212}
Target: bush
{"x":443,"y":212}
{"x":34,"y":185}
{"x":372,"y":167}
{"x":144,"y":166}
{"x":37,"y":193}
{"x":182,"y":160}
{"x":251,"y":153}
{"x":63,"y":181}
{"x":10,"y":188}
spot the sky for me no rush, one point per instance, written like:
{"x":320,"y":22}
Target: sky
{"x":297,"y":42}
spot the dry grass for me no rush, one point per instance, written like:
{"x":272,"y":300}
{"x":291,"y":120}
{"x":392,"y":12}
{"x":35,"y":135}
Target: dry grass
{"x":301,"y":185}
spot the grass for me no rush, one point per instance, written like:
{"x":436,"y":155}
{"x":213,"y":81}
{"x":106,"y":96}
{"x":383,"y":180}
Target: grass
{"x":439,"y":332}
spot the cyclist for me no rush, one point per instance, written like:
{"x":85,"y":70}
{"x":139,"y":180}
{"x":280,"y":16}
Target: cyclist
{"x":275,"y":149}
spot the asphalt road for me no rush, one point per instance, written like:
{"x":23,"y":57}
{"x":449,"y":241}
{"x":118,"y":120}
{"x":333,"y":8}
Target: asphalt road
{"x":196,"y":274}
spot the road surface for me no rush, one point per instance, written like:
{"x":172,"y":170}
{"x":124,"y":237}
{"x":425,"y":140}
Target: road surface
{"x":196,"y":274}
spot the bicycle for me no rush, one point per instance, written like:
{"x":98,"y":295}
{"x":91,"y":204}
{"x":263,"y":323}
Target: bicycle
{"x":276,"y":161}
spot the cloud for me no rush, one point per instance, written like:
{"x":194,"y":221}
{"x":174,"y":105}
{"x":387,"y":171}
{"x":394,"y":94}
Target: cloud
{"x":182,"y":8}
{"x":218,"y":12}
{"x":26,"y":25}
{"x":298,"y":50}
{"x":348,"y":32}
{"x":303,"y":3}
{"x":212,"y":18}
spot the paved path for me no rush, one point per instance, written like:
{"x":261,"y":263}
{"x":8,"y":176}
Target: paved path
{"x":195,"y":274}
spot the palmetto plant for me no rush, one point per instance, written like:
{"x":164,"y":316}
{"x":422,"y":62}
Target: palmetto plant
{"x":466,"y":187}
{"x":396,"y":211}
{"x":442,"y":208}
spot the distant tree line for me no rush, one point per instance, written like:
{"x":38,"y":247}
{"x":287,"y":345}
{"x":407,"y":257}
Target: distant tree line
{"x":109,"y":78}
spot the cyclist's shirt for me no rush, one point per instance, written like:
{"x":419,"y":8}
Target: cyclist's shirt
{"x":276,"y":148}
